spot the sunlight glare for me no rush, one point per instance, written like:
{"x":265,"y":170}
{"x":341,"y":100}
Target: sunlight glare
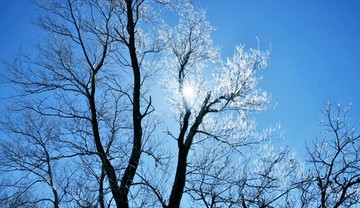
{"x":188,"y":92}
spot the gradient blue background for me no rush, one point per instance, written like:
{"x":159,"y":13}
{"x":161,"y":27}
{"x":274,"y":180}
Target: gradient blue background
{"x":315,"y":53}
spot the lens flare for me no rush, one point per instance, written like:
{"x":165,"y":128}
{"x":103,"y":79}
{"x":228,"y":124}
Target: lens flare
{"x":188,"y":92}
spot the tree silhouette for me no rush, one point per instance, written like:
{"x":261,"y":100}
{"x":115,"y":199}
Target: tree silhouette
{"x":334,"y":161}
{"x":85,"y":130}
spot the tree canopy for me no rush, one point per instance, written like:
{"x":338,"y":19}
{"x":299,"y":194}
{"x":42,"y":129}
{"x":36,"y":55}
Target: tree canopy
{"x":84,"y":129}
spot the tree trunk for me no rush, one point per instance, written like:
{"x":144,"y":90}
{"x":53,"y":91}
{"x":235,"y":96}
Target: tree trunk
{"x":130,"y":171}
{"x":109,"y":169}
{"x":101,"y":188}
{"x":180,"y":179}
{"x":184,"y":148}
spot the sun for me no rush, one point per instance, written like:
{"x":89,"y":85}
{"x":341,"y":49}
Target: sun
{"x":188,"y":92}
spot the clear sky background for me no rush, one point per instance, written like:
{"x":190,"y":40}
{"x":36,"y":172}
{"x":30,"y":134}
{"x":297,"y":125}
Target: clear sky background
{"x":315,"y":56}
{"x":315,"y":53}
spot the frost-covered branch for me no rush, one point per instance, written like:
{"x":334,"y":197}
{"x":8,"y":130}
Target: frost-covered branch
{"x":335,"y":160}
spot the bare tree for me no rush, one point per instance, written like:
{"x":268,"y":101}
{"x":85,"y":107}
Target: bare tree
{"x":272,"y":178}
{"x":81,"y":77}
{"x":30,"y":158}
{"x":9,"y":200}
{"x":212,"y":105}
{"x":93,"y":77}
{"x":335,"y":162}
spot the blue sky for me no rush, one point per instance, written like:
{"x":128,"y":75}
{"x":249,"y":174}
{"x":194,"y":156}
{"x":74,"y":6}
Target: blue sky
{"x":315,"y":56}
{"x":315,"y":53}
